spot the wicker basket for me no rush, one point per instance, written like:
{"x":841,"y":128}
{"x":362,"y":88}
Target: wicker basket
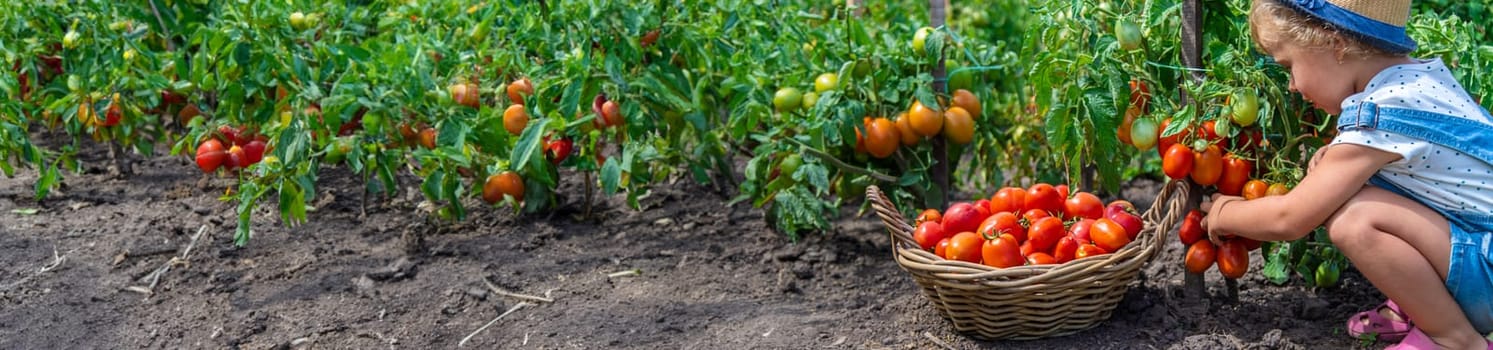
{"x":1030,"y":302}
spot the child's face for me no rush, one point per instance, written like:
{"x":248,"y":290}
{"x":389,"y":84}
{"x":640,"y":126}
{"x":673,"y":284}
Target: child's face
{"x":1317,"y":75}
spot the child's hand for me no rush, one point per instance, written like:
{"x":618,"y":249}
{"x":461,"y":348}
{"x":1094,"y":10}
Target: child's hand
{"x":1215,"y":205}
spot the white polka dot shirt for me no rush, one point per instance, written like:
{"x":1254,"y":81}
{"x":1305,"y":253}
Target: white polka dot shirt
{"x":1438,"y":175}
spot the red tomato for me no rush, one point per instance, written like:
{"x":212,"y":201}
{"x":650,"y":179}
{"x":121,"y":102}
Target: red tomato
{"x":1200,"y":256}
{"x":1066,"y":249}
{"x":1121,"y":205}
{"x":1011,"y":199}
{"x":1002,"y":223}
{"x":1002,"y":252}
{"x":254,"y":152}
{"x":928,"y":234}
{"x":1062,"y":190}
{"x":1032,"y":215}
{"x":1044,"y":233}
{"x":1177,"y":162}
{"x":1235,"y":173}
{"x":1040,"y":258}
{"x":1085,"y":205}
{"x":983,"y":206}
{"x":1027,"y":248}
{"x":1233,"y":259}
{"x":929,"y":215}
{"x":210,"y":155}
{"x":1192,"y":228}
{"x":962,"y":217}
{"x":1109,"y":235}
{"x":1210,"y":132}
{"x":1088,"y":250}
{"x":1130,"y":222}
{"x":1080,"y":231}
{"x":1044,"y":197}
{"x":942,"y":249}
{"x":1166,"y":142}
{"x":1207,"y":166}
{"x":1140,"y":94}
{"x":1249,"y":243}
{"x":965,"y":246}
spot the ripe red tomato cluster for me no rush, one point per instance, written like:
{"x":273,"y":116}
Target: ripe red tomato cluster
{"x":1232,"y":256}
{"x":1039,"y":225}
{"x":243,"y":148}
{"x":1208,"y":165}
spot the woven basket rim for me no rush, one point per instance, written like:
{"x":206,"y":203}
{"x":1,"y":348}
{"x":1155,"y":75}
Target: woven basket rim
{"x":1158,"y":220}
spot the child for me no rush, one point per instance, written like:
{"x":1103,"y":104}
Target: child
{"x":1406,"y":188}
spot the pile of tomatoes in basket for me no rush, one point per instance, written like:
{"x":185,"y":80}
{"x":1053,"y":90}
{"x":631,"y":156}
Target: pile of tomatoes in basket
{"x":1033,"y":226}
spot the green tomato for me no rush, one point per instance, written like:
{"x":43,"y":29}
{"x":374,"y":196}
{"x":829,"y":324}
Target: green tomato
{"x":1245,"y":107}
{"x":298,"y":20}
{"x":810,"y":99}
{"x":862,"y":68}
{"x":1143,"y":133}
{"x":372,"y":122}
{"x":787,"y":99}
{"x":1327,"y":274}
{"x":1128,"y":34}
{"x":70,"y":40}
{"x":789,"y":165}
{"x":826,"y":82}
{"x":960,"y":80}
{"x":337,"y":150}
{"x":920,"y":38}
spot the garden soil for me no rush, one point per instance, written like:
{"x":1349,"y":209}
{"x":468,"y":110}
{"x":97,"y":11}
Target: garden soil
{"x":687,"y":272}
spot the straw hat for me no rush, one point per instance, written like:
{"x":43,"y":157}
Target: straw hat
{"x":1380,"y":23}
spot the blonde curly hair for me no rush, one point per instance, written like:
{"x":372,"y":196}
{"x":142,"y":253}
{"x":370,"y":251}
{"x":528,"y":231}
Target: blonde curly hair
{"x":1273,"y":24}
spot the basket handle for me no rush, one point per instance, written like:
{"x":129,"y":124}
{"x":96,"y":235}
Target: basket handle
{"x":901,"y":231}
{"x":1168,"y":209}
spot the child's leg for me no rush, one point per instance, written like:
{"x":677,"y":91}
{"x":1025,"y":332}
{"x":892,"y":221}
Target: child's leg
{"x":1404,"y":249}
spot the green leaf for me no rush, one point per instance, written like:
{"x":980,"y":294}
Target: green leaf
{"x":528,"y":146}
{"x":1277,"y":262}
{"x":611,"y":176}
{"x":454,"y":132}
{"x":813,"y":173}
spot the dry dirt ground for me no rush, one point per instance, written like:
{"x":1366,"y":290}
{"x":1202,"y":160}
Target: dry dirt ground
{"x":707,"y":276}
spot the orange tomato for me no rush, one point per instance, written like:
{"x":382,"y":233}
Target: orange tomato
{"x":881,"y":138}
{"x":1009,"y":199}
{"x":1040,"y":258}
{"x":518,"y":89}
{"x":506,"y":183}
{"x":958,"y":126}
{"x":515,"y":118}
{"x":1176,"y":162}
{"x":925,"y":121}
{"x":966,"y":246}
{"x":1002,"y":252}
{"x":905,"y":132}
{"x":1207,"y":166}
{"x":1109,"y":235}
{"x":1277,"y":190}
{"x":968,"y":101}
{"x":1255,"y":189}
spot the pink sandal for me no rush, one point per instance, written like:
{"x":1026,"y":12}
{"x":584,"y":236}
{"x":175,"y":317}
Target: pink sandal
{"x":1417,"y":340}
{"x":1373,"y":324}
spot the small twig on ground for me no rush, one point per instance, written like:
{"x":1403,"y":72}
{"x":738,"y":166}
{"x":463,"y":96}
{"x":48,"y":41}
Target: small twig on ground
{"x":633,"y":272}
{"x":57,"y":260}
{"x":490,"y":323}
{"x":499,"y":291}
{"x":935,"y":340}
{"x":154,"y":278}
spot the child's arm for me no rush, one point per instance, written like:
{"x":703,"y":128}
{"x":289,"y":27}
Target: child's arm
{"x":1336,"y":177}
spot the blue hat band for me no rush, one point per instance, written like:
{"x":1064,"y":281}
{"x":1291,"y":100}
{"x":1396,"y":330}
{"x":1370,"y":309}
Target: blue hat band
{"x":1382,"y":35}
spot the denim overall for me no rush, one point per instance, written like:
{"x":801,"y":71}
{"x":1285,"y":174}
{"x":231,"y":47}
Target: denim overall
{"x":1470,"y":275}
